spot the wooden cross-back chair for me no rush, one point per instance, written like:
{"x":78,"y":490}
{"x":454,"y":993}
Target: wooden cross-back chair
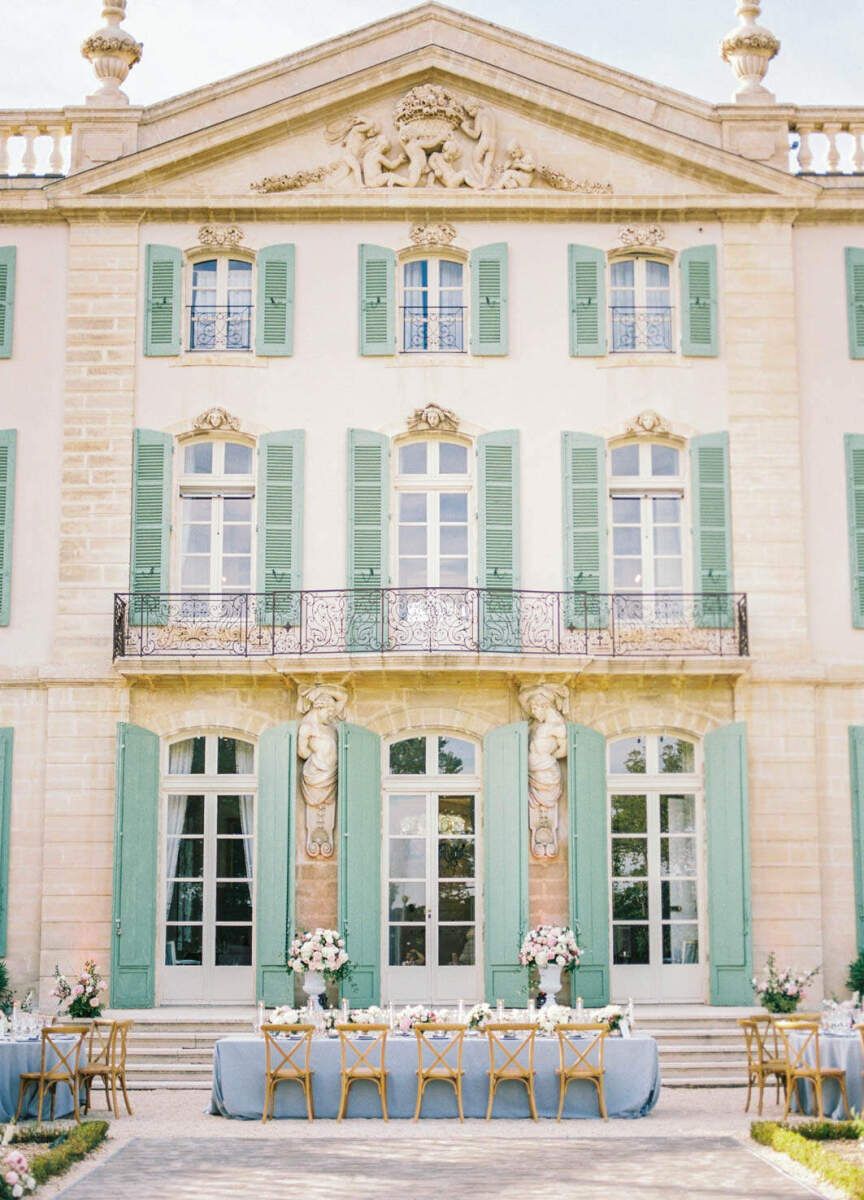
{"x":507,"y":1063}
{"x":63,"y":1070}
{"x":435,"y":1061}
{"x":363,"y":1061}
{"x":287,"y":1062}
{"x":797,"y":1069}
{"x":764,"y":1060}
{"x":576,"y":1043}
{"x":106,"y":1060}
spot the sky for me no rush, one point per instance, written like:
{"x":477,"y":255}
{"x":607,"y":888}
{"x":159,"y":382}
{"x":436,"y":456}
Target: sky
{"x":188,"y":43}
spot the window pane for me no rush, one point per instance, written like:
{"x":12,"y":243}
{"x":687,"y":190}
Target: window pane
{"x":454,"y":539}
{"x":455,"y":858}
{"x":183,"y":945}
{"x":238,"y":459}
{"x":667,"y":572}
{"x":196,"y":539}
{"x":627,"y":539}
{"x":233,"y":945}
{"x":186,"y":857}
{"x":450,"y":273}
{"x":630,"y":944}
{"x":455,"y":756}
{"x":629,"y":814}
{"x":412,"y":572}
{"x":415,"y":275}
{"x":656,"y":274}
{"x":234,"y":757}
{"x":667,"y":539}
{"x":408,"y":813}
{"x":454,"y":506}
{"x":412,"y":459}
{"x":412,"y":539}
{"x":233,"y":901}
{"x":629,"y":856}
{"x":238,"y":508}
{"x":627,"y":756}
{"x":678,"y":855}
{"x":622,"y":273}
{"x":236,"y":572}
{"x":680,"y":943}
{"x":196,"y":509}
{"x":455,"y":814}
{"x":456,"y":901}
{"x":198,"y":459}
{"x":407,"y":858}
{"x":625,"y":460}
{"x":626,"y":510}
{"x":408,"y":757}
{"x":228,"y":815}
{"x":667,"y":510}
{"x":185,"y":901}
{"x":629,"y":901}
{"x":454,"y":572}
{"x":407,"y":945}
{"x":234,"y":858}
{"x":204,"y":274}
{"x":664,"y":460}
{"x":678,"y":898}
{"x":195,"y":572}
{"x":186,"y":757}
{"x":237,"y":539}
{"x":452,"y":459}
{"x":628,"y":573}
{"x":677,"y":814}
{"x":407,"y":901}
{"x":455,"y":945}
{"x":412,"y":506}
{"x":676,"y":756}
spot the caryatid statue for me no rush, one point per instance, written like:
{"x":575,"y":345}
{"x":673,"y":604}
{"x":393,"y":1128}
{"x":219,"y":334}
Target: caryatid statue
{"x":545,"y":706}
{"x":317,"y":745}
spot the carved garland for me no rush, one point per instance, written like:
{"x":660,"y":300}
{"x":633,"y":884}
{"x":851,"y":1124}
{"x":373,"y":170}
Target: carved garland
{"x":216,"y":418}
{"x":226,"y":236}
{"x":433,"y":418}
{"x":641,"y":235}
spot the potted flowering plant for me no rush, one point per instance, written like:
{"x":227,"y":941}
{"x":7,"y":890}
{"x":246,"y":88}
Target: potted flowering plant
{"x":318,"y":955}
{"x":782,"y":991}
{"x":551,"y":949}
{"x":85,"y":997}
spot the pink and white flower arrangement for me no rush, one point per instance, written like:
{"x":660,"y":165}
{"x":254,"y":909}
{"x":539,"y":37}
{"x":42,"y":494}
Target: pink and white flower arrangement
{"x":285,"y":1015}
{"x":550,"y":946}
{"x":612,"y":1014}
{"x":782,"y":991}
{"x":480,"y":1016}
{"x":319,"y":950}
{"x":367,"y":1016}
{"x":551,"y":1016}
{"x":414,"y":1014}
{"x":86,"y":996}
{"x":15,"y":1177}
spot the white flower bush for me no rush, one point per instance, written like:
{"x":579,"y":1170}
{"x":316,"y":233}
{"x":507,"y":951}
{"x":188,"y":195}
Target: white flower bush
{"x":319,"y":950}
{"x":550,"y":945}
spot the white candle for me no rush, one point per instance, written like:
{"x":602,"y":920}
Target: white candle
{"x":460,"y":1012}
{"x":344,"y":1008}
{"x":579,"y":1008}
{"x":260,"y":1014}
{"x":499,"y":1010}
{"x":532,"y":1009}
{"x":391,"y":1016}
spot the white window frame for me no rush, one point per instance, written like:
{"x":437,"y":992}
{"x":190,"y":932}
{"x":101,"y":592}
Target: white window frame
{"x":222,"y":259}
{"x":435,"y":483}
{"x":433,"y":290}
{"x":647,"y":487}
{"x":640,"y":300}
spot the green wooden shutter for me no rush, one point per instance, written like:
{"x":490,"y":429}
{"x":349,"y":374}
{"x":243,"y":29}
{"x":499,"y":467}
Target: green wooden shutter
{"x":274,"y":317}
{"x":586,"y":268}
{"x":854,"y":446}
{"x":489,"y":299}
{"x":280,"y":525}
{"x":856,"y":781}
{"x":275,"y":862}
{"x":7,"y":299}
{"x":136,"y":827}
{"x":359,"y":826}
{"x":377,"y":300}
{"x":855,"y":300}
{"x":699,"y":301}
{"x":151,"y":525}
{"x":498,"y":540}
{"x":505,"y":831}
{"x":8,"y":444}
{"x":589,"y":861}
{"x":164,"y":301}
{"x":585,"y":505}
{"x":728,"y":835}
{"x":712,"y":531}
{"x":7,"y":737}
{"x":368,"y":516}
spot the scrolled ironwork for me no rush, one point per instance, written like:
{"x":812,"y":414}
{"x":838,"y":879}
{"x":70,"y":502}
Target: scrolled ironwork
{"x":644,"y":329}
{"x":220,"y":329}
{"x":433,"y":328}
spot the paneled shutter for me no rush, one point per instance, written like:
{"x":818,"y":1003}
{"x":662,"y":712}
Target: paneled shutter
{"x":856,"y":781}
{"x":712,"y":531}
{"x":275,"y":862}
{"x":728,"y":834}
{"x":274,"y":317}
{"x":136,"y":826}
{"x":585,"y":504}
{"x":359,"y":841}
{"x":8,"y":444}
{"x":505,"y":831}
{"x":280,"y":525}
{"x":7,"y":737}
{"x":7,"y":299}
{"x":368,"y":495}
{"x":498,"y":540}
{"x":587,"y":287}
{"x":377,"y":300}
{"x":855,"y":300}
{"x":589,"y":860}
{"x":151,"y":525}
{"x":854,"y":445}
{"x":699,"y":301}
{"x":489,"y":299}
{"x":164,"y":300}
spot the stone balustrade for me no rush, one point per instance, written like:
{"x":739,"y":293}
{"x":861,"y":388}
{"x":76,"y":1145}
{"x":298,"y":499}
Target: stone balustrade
{"x":827,"y":141}
{"x":34,"y":142}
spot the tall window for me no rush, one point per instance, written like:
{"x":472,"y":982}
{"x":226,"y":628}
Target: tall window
{"x":433,"y":493}
{"x":641,"y":305}
{"x":220,"y":312}
{"x":216,"y":517}
{"x":433,"y":305}
{"x":647,"y":501}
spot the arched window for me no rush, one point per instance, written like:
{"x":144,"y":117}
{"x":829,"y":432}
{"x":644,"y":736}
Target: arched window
{"x":433,"y":305}
{"x":640,"y":304}
{"x":434,"y":509}
{"x":220,"y":304}
{"x":215,"y":517}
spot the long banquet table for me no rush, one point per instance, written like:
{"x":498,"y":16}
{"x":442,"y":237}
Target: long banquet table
{"x":17,"y":1057}
{"x":632,"y":1082}
{"x":835,"y":1050}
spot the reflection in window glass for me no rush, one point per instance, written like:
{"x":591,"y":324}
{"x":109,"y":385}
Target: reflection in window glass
{"x":408,"y":815}
{"x":676,"y":756}
{"x":680,"y":943}
{"x":625,"y":460}
{"x":455,"y":945}
{"x":629,"y":814}
{"x":407,"y":946}
{"x":629,"y":945}
{"x":233,"y":757}
{"x":407,"y":900}
{"x":677,"y":814}
{"x":455,"y":815}
{"x":186,"y":757}
{"x":407,"y":858}
{"x":455,"y":756}
{"x":408,"y":757}
{"x":629,"y":900}
{"x":627,"y":756}
{"x":629,"y":856}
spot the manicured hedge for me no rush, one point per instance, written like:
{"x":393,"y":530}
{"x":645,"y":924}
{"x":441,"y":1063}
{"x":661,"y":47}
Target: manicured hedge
{"x":60,"y":1157}
{"x":801,"y":1143}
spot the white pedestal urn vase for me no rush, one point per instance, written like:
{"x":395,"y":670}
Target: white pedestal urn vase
{"x":550,"y":983}
{"x":314,"y":987}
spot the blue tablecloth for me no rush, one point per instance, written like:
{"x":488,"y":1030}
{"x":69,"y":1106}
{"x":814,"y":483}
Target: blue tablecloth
{"x":16,"y":1057}
{"x":835,"y":1050}
{"x":632,"y":1082}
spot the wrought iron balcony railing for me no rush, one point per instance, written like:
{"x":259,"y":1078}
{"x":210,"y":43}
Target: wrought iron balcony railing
{"x":220,"y":328}
{"x":431,"y":621}
{"x":438,"y":329}
{"x":647,"y":330}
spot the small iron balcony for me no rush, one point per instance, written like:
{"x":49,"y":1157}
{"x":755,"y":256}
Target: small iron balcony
{"x":643,"y":330}
{"x":439,"y":329}
{"x":220,"y":329}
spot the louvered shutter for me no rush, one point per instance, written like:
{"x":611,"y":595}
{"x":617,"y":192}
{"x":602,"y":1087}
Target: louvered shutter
{"x":162,"y":316}
{"x":712,"y":532}
{"x":587,"y":290}
{"x":489,"y":299}
{"x":151,"y":526}
{"x":856,"y":786}
{"x":8,"y":442}
{"x":275,"y":862}
{"x":280,"y":525}
{"x":699,"y":301}
{"x":367,"y":537}
{"x":498,"y":540}
{"x":506,"y":898}
{"x":358,"y":810}
{"x":7,"y":738}
{"x":854,"y":444}
{"x":7,"y":299}
{"x":274,"y":317}
{"x":855,"y":300}
{"x":589,"y":860}
{"x":377,"y":300}
{"x":585,"y":504}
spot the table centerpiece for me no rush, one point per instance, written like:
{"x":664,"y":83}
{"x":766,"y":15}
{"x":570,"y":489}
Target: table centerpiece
{"x":782,"y":991}
{"x":318,"y":955}
{"x":84,"y":997}
{"x":551,"y":949}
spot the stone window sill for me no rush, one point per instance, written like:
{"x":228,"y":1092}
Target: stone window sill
{"x":220,"y":360}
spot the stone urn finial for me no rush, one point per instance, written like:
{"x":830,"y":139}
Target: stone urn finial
{"x":749,"y":49}
{"x":113,"y":52}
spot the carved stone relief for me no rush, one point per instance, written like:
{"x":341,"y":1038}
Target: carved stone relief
{"x":433,"y":417}
{"x":216,"y":418}
{"x":641,"y":235}
{"x":648,"y":423}
{"x":322,"y":705}
{"x":546,"y":706}
{"x":225,"y":236}
{"x":441,"y":234}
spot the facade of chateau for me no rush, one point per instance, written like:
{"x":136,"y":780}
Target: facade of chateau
{"x":431,"y":504}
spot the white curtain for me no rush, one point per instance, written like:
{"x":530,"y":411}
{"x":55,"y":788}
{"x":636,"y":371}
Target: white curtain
{"x":174,"y":827}
{"x":180,"y":757}
{"x":247,"y":816}
{"x":244,"y":753}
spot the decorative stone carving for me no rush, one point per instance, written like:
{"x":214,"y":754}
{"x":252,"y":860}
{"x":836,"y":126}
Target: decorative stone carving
{"x":433,"y":417}
{"x":749,"y":49}
{"x":545,"y":705}
{"x":112,"y":52}
{"x":480,"y":126}
{"x":351,"y":134}
{"x":322,"y":705}
{"x":216,"y":418}
{"x":641,"y":235}
{"x":648,"y":423}
{"x":432,"y":235}
{"x":224,"y":236}
{"x":290,"y":183}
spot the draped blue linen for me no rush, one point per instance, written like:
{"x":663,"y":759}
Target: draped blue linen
{"x":16,"y":1057}
{"x":835,"y":1050}
{"x":632,"y":1082}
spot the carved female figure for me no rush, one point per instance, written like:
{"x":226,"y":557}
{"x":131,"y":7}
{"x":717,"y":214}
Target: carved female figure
{"x":480,"y":127}
{"x":547,"y":745}
{"x":317,"y":746}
